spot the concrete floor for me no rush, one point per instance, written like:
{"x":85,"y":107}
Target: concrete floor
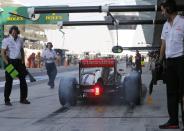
{"x":46,"y":114}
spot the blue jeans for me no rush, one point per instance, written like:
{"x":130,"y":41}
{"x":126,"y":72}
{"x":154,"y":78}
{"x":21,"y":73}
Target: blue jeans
{"x":51,"y":72}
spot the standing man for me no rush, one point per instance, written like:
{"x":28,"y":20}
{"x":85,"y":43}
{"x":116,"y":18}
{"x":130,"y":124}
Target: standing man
{"x":49,"y":57}
{"x":13,"y":53}
{"x":138,"y":62}
{"x":173,"y":48}
{"x":126,"y":59}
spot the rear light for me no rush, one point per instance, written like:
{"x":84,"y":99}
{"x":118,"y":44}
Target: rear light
{"x":97,"y":91}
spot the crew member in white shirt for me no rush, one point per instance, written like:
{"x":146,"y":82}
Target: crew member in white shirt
{"x":13,"y":53}
{"x":49,"y":57}
{"x":173,"y":49}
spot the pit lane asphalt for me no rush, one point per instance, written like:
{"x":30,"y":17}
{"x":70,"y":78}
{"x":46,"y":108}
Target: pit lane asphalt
{"x":46,"y":114}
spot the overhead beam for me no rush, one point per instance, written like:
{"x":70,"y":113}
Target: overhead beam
{"x":125,"y":22}
{"x":141,"y":48}
{"x":85,"y":9}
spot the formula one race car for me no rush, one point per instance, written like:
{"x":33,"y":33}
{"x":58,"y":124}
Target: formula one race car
{"x":99,"y":78}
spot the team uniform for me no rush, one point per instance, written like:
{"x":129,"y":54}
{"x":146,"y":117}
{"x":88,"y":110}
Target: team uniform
{"x":49,"y":57}
{"x":13,"y":52}
{"x":174,"y":53}
{"x":138,"y":63}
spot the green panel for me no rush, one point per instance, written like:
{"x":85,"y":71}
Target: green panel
{"x":1,"y":19}
{"x":50,"y":18}
{"x":1,"y":38}
{"x":14,"y":74}
{"x":9,"y":68}
{"x":1,"y":33}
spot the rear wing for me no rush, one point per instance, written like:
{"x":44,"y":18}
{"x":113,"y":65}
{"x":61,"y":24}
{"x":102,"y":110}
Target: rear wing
{"x":97,"y":63}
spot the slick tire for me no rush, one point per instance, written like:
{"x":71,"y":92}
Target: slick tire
{"x":67,"y":91}
{"x":132,"y":91}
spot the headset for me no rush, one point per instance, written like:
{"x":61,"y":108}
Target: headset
{"x":14,"y":28}
{"x":50,"y":44}
{"x":170,"y":6}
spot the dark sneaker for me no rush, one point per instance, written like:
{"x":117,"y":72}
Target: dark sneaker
{"x":169,"y":125}
{"x":8,"y":103}
{"x":25,"y":102}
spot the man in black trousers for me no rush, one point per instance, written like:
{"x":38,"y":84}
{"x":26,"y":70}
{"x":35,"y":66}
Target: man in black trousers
{"x":173,"y":48}
{"x":13,"y":54}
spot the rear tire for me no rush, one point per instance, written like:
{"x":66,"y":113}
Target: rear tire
{"x":67,"y":91}
{"x":131,"y":89}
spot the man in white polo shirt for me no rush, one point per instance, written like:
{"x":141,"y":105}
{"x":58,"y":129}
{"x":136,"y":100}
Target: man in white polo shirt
{"x":173,"y":49}
{"x":49,"y":57}
{"x":12,"y":53}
